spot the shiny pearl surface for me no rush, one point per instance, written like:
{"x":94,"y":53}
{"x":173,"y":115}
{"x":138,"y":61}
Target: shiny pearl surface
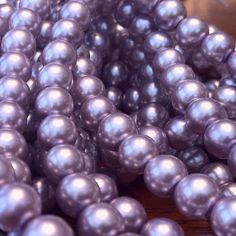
{"x":6,"y":11}
{"x":115,"y":95}
{"x":100,"y":219}
{"x":150,"y":93}
{"x":47,"y":225}
{"x":61,"y":161}
{"x":107,"y":187}
{"x":162,"y":227}
{"x":7,"y":173}
{"x":25,"y":202}
{"x":131,"y":100}
{"x":132,"y":212}
{"x":229,"y":190}
{"x":136,"y":151}
{"x":83,"y":67}
{"x":76,"y":192}
{"x":163,"y":173}
{"x":195,"y":195}
{"x":223,"y":217}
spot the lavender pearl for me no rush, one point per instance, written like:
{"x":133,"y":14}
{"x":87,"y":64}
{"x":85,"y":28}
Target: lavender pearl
{"x":56,"y":129}
{"x":113,"y":129}
{"x":232,"y":161}
{"x":163,"y":173}
{"x":132,"y":212}
{"x":228,"y":190}
{"x":47,"y":225}
{"x":100,"y":219}
{"x":55,"y":74}
{"x":83,"y":67}
{"x":62,"y":160}
{"x":26,"y":19}
{"x":228,"y":80}
{"x":114,"y":95}
{"x":21,"y":170}
{"x":191,"y":31}
{"x":59,"y":51}
{"x":7,"y":174}
{"x":167,"y":14}
{"x":150,"y":93}
{"x":45,"y":34}
{"x":107,"y":187}
{"x":162,"y":227}
{"x":219,"y":137}
{"x":131,"y":100}
{"x":216,"y":47}
{"x":223,"y":217}
{"x":15,"y":64}
{"x":202,"y":112}
{"x":76,"y":192}
{"x":25,"y":202}
{"x":136,"y":151}
{"x":195,"y":195}
{"x":6,"y":11}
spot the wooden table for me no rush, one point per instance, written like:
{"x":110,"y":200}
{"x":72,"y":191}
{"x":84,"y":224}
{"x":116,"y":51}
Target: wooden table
{"x":225,"y":19}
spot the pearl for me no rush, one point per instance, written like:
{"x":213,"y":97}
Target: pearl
{"x":76,"y":192}
{"x":114,"y":95}
{"x":83,"y":67}
{"x":195,"y":195}
{"x":163,"y":173}
{"x":45,"y":33}
{"x":132,"y":212}
{"x":228,"y":80}
{"x":150,"y":93}
{"x":229,"y":190}
{"x":7,"y":173}
{"x":6,"y":11}
{"x":131,"y":100}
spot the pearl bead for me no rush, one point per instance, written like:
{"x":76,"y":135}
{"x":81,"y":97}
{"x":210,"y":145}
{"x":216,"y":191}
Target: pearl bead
{"x":131,"y":100}
{"x":45,"y":33}
{"x":114,"y":95}
{"x":83,"y":67}
{"x":6,"y":11}
{"x":229,"y":190}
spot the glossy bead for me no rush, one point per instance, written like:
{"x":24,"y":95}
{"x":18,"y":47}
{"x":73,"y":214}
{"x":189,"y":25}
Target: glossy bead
{"x":223,"y":217}
{"x":216,"y":47}
{"x":229,"y":190}
{"x":131,"y":100}
{"x":132,"y":211}
{"x":165,"y":58}
{"x":12,"y":116}
{"x":167,"y":14}
{"x":77,"y":11}
{"x":178,"y":134}
{"x":59,"y":51}
{"x":25,"y":18}
{"x":45,"y":33}
{"x":15,"y":64}
{"x":55,"y":74}
{"x":174,"y":74}
{"x":202,"y":112}
{"x":68,"y":30}
{"x":76,"y":192}
{"x":157,"y":135}
{"x":163,"y":173}
{"x":228,"y":80}
{"x":219,"y":137}
{"x":7,"y":173}
{"x":226,"y":95}
{"x":84,"y":67}
{"x":231,"y":63}
{"x":19,"y":40}
{"x":114,"y":128}
{"x":45,"y":191}
{"x":25,"y":202}
{"x":56,"y":129}
{"x":195,"y":195}
{"x":114,"y":95}
{"x":185,"y":92}
{"x":150,"y":93}
{"x":152,"y":114}
{"x":94,"y":110}
{"x":136,"y":151}
{"x":191,"y":31}
{"x":21,"y":170}
{"x":6,"y":11}
{"x":232,"y":161}
{"x":107,"y":187}
{"x":47,"y":225}
{"x":194,"y":158}
{"x":54,"y":100}
{"x":62,"y":160}
{"x":100,"y":219}
{"x":162,"y":227}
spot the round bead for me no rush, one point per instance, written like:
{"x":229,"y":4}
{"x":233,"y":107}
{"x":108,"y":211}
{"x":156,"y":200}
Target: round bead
{"x":56,"y":129}
{"x":229,"y":190}
{"x":216,"y":47}
{"x":228,"y":80}
{"x":7,"y":173}
{"x":47,"y":225}
{"x":167,"y":14}
{"x":135,"y":151}
{"x":195,"y":195}
{"x":114,"y":95}
{"x":45,"y":34}
{"x":232,"y":161}
{"x":131,"y":100}
{"x":113,"y":129}
{"x":62,"y":160}
{"x":100,"y":219}
{"x":219,"y":137}
{"x":223,"y":217}
{"x":107,"y":187}
{"x":150,"y":93}
{"x":19,"y":203}
{"x":83,"y":67}
{"x":163,"y":173}
{"x":202,"y":112}
{"x":76,"y":192}
{"x":162,"y":227}
{"x":6,"y":11}
{"x":132,"y":212}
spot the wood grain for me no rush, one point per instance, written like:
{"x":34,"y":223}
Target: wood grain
{"x":224,"y":17}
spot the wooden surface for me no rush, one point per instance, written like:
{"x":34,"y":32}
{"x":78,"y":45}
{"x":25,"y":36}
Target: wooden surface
{"x":225,"y":19}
